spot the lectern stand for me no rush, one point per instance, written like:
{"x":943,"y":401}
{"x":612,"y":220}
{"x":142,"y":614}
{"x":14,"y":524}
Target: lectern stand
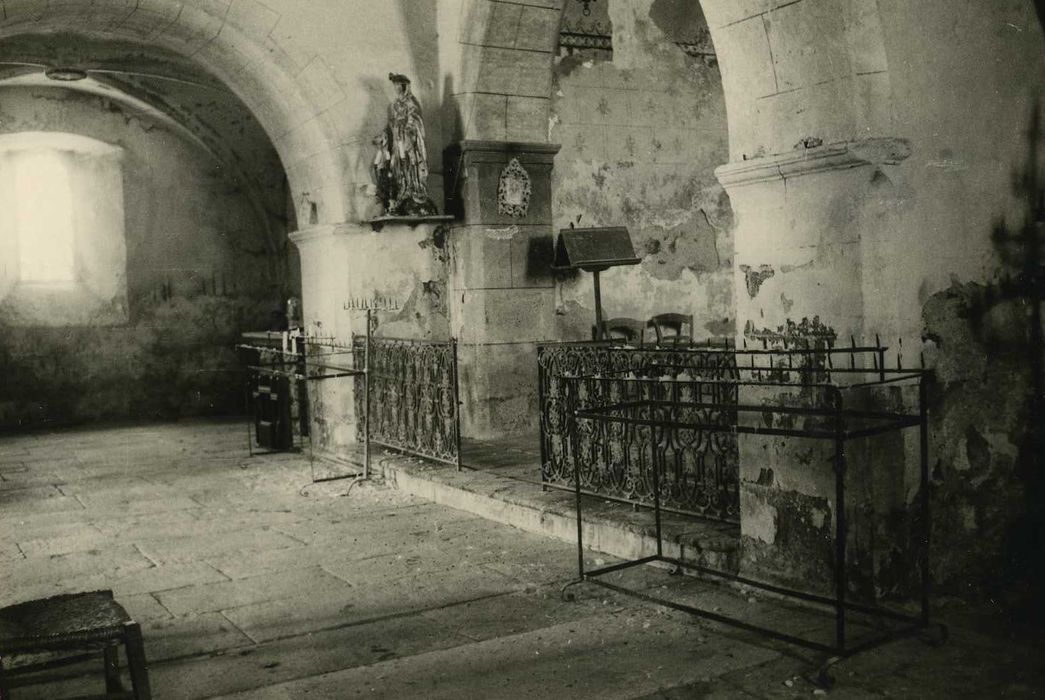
{"x":594,"y":250}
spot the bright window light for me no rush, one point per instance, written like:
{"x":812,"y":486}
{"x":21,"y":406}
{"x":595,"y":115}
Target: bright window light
{"x":44,"y":218}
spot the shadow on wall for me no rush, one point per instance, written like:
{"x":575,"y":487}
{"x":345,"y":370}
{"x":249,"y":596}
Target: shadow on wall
{"x":987,"y":351}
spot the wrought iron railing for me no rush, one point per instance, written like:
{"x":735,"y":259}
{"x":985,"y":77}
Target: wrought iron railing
{"x":700,"y":468}
{"x":701,"y":472}
{"x":413,"y":396}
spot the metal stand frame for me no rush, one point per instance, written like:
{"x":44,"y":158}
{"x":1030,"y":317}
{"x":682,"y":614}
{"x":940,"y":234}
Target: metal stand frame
{"x":315,"y":371}
{"x":333,"y":371}
{"x":312,"y":362}
{"x":841,"y":425}
{"x":291,"y":356}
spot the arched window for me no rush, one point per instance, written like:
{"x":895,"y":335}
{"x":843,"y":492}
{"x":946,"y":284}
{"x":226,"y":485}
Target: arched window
{"x":43,"y":217}
{"x":63,"y":255}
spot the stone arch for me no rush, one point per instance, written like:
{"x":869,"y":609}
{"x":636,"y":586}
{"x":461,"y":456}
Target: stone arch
{"x":791,"y":70}
{"x":287,"y":89}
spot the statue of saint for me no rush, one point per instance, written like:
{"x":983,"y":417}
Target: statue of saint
{"x":400,"y":168}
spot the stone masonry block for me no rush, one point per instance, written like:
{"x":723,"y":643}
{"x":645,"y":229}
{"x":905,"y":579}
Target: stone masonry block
{"x":485,"y":116}
{"x":512,"y":72}
{"x":505,"y":315}
{"x":499,"y":389}
{"x":538,"y":28}
{"x":490,"y":23}
{"x":720,"y":13}
{"x":481,"y":258}
{"x":745,"y":61}
{"x":320,"y":84}
{"x":527,"y":118}
{"x":252,"y":18}
{"x":807,"y":41}
{"x":532,"y":255}
{"x":863,"y":29}
{"x":294,"y":41}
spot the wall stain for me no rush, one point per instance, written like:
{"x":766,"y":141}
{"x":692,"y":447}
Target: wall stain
{"x":754,"y":278}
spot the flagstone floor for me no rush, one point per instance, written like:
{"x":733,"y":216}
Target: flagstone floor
{"x":249,"y":580}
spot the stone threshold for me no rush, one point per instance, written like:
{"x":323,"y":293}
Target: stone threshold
{"x":512,"y":495}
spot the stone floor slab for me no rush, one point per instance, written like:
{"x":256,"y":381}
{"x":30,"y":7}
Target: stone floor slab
{"x":604,"y":657}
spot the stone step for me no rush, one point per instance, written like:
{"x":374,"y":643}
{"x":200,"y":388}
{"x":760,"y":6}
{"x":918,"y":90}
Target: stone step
{"x":499,"y":494}
{"x":622,"y":654}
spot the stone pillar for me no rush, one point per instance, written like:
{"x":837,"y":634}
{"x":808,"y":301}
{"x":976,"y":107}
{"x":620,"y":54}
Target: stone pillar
{"x":804,"y":224}
{"x":401,"y":264}
{"x":501,"y":288}
{"x":324,"y":287}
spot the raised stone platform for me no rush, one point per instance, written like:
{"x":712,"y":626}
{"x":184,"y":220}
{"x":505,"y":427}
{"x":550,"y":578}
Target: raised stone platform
{"x":501,"y":482}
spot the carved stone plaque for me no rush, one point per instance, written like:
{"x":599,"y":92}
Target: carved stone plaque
{"x":513,"y":190}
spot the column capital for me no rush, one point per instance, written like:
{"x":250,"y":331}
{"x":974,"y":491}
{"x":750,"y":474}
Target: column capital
{"x":500,"y":152}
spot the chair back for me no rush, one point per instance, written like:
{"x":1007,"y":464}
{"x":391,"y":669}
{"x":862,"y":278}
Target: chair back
{"x":673,"y":328}
{"x":630,"y":330}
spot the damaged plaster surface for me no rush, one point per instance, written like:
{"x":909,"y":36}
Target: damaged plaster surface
{"x":978,"y":350}
{"x":642,"y":129}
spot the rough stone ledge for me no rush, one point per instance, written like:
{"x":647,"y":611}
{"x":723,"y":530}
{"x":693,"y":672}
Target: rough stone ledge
{"x":835,"y":156}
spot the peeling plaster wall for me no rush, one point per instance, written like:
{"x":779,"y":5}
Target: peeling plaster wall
{"x":899,"y":240}
{"x":397,"y":266}
{"x":642,"y":130}
{"x":198,"y":272}
{"x":965,"y":78}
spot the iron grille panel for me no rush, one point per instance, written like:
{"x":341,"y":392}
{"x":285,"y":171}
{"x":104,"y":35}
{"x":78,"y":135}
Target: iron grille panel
{"x":699,"y":470}
{"x":413,"y":396}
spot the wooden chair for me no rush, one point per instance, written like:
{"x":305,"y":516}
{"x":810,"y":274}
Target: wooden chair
{"x":71,"y":628}
{"x":630,"y":330}
{"x":673,"y":329}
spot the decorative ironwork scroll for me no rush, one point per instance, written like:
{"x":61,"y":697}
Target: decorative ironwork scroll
{"x":513,"y":190}
{"x":585,"y":36}
{"x":594,"y":36}
{"x":700,"y":470}
{"x":413,"y":396}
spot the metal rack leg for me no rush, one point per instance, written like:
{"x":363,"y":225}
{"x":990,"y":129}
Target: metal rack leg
{"x":841,"y":580}
{"x":923,"y":453}
{"x":366,"y":400}
{"x":654,"y":438}
{"x":575,"y":444}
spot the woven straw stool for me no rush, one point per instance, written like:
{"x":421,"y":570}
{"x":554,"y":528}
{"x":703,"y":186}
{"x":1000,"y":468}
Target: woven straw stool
{"x":72,"y":628}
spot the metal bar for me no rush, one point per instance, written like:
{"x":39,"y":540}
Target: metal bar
{"x":410,"y":451}
{"x":248,"y":405}
{"x":575,"y":439}
{"x":719,"y":428}
{"x":890,"y":636}
{"x":457,"y":404}
{"x":600,"y":332}
{"x":790,"y":592}
{"x":330,"y":376}
{"x":366,"y":400}
{"x":655,"y":466}
{"x":633,"y":502}
{"x":623,"y":565}
{"x":923,"y":454}
{"x":717,"y":617}
{"x":840,"y":529}
{"x":753,"y":408}
{"x":543,"y":417}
